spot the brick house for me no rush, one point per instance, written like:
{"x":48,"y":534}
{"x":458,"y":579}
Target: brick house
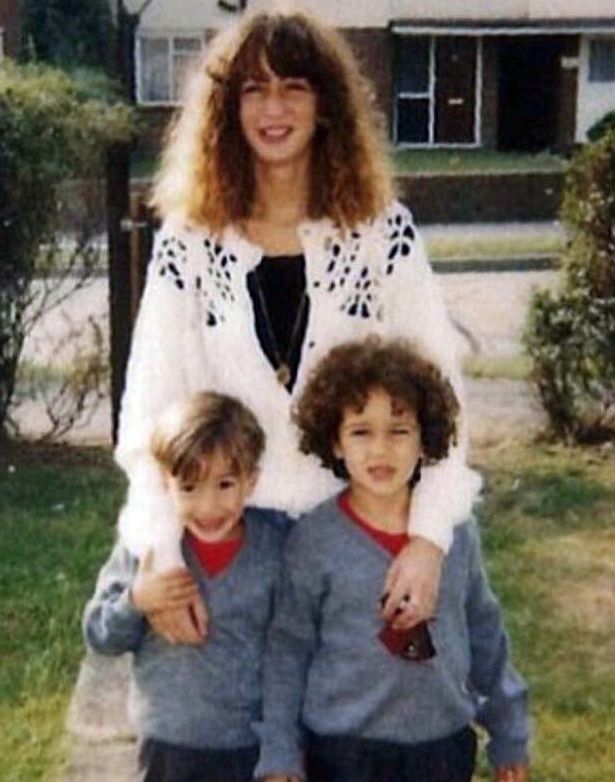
{"x":10,"y":27}
{"x":500,"y":74}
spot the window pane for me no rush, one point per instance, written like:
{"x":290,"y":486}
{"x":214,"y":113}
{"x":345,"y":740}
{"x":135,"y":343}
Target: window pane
{"x":602,"y":60}
{"x":187,"y":44}
{"x":181,"y":65}
{"x":154,"y":70}
{"x":413,"y":120}
{"x":412,"y":64}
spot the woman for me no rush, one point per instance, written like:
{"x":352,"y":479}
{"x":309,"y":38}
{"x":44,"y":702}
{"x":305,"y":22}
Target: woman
{"x":280,"y":239}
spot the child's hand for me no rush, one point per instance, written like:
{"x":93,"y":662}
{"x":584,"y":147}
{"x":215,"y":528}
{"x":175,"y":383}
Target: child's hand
{"x":153,"y":591}
{"x":519,"y":772}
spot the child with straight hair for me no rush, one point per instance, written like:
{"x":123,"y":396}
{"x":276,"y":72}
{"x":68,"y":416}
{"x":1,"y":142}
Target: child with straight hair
{"x":346,"y":698}
{"x":194,"y":705}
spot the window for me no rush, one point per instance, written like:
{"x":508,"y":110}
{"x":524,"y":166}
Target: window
{"x":436,"y":90}
{"x":413,"y":90}
{"x":162,"y":65}
{"x":602,"y":60}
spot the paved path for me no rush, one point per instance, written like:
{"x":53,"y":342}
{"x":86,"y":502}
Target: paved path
{"x":488,"y":307}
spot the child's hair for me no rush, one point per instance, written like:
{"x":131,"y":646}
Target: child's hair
{"x":344,"y":378}
{"x":207,"y":172}
{"x":205,"y":422}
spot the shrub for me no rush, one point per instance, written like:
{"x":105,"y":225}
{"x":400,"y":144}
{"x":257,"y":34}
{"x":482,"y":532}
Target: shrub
{"x":570,"y":335}
{"x":50,"y":132}
{"x":604,"y":124}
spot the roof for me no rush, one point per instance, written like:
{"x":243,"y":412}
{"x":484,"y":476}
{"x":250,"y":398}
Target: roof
{"x":198,"y":15}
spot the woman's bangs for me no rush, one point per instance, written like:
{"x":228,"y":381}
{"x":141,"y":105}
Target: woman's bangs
{"x":285,"y":46}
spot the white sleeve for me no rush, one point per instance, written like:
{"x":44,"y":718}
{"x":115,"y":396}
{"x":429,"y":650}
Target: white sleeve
{"x":155,"y":378}
{"x":415,"y":309}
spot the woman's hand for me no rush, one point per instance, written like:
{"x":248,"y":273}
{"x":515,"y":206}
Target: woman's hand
{"x":171,"y":602}
{"x":185,"y":625}
{"x":155,"y":591}
{"x":519,"y":772}
{"x":281,"y":778}
{"x":412,"y":583}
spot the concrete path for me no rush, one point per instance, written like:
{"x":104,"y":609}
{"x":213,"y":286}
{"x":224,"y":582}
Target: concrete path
{"x":101,"y":741}
{"x":489,"y":309}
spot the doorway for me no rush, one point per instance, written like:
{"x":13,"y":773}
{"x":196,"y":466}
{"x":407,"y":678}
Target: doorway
{"x":529,"y":74}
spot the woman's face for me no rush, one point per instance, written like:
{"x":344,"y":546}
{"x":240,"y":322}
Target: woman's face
{"x":278,"y":117}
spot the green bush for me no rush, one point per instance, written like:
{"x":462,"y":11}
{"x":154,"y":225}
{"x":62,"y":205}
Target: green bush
{"x":604,"y":124}
{"x":570,"y":335}
{"x":50,"y":131}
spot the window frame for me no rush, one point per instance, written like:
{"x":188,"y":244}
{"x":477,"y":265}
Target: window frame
{"x":594,"y":79}
{"x":170,"y":38}
{"x":430,"y":95}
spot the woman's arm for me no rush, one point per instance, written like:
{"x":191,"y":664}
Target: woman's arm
{"x":156,"y":376}
{"x":415,"y":310}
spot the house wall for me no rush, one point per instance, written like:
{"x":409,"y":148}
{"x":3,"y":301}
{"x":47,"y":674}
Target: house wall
{"x":568,"y":94}
{"x":373,"y":49}
{"x":10,"y":24}
{"x":594,"y":99}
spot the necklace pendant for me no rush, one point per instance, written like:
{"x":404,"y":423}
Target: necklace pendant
{"x":283,"y":374}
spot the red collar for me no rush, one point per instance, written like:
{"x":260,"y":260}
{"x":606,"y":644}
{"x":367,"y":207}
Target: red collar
{"x":392,"y":542}
{"x":214,"y":557}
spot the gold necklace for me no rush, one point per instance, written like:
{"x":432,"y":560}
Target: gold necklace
{"x":282,"y":369}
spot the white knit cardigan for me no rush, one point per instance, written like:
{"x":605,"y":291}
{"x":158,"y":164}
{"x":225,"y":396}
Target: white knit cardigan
{"x":195,"y":331}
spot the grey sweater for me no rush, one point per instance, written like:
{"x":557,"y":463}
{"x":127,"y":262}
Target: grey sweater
{"x":326,"y":668}
{"x":203,"y":696}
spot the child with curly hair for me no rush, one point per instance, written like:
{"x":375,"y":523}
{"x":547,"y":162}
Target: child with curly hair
{"x":367,"y":702}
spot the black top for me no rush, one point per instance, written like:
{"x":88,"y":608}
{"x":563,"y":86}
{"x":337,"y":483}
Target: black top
{"x":281,"y":279}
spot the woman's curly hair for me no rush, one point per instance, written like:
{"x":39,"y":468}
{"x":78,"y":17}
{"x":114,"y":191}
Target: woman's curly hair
{"x":349,"y":372}
{"x":206,"y":176}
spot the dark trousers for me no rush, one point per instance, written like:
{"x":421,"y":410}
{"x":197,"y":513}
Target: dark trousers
{"x":162,"y":762}
{"x":348,"y":759}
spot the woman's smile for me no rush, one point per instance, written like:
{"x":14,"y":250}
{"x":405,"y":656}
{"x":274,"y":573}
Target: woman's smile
{"x":278,"y":117}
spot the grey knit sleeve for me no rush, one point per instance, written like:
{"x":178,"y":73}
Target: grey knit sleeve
{"x":500,"y":691}
{"x":110,"y":623}
{"x":291,"y":643}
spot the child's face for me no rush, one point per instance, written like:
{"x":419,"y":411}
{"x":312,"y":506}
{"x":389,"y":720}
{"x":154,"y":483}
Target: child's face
{"x":212,"y":505}
{"x":380,"y":445}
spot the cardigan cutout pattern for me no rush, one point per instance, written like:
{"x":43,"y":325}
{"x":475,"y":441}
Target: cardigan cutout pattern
{"x":196,"y":311}
{"x":357,"y":282}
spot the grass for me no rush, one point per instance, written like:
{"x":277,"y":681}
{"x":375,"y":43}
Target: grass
{"x":549,"y":538}
{"x":469,"y":244}
{"x":514,"y":367}
{"x":57,"y":514}
{"x":465,"y":161}
{"x":550,"y":544}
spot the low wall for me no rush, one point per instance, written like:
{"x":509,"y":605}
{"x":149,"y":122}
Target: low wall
{"x":468,"y":198}
{"x":433,"y":198}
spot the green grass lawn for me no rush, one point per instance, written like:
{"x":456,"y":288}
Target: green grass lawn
{"x":549,"y":536}
{"x":57,"y":515}
{"x":473,"y":245}
{"x":464,"y":161}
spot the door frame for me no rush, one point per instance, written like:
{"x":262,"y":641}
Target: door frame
{"x":431,"y":96}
